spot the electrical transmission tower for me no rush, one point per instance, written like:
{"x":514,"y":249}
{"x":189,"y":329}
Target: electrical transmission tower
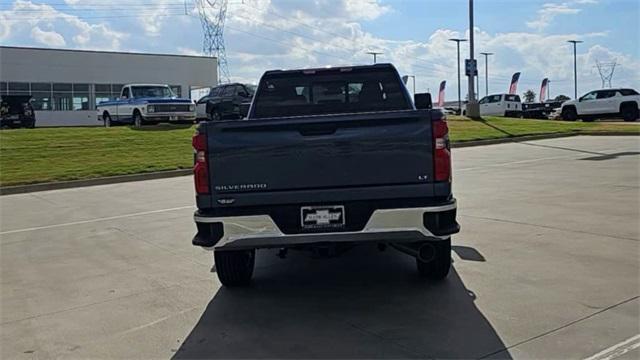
{"x":606,"y":72}
{"x":212,"y":17}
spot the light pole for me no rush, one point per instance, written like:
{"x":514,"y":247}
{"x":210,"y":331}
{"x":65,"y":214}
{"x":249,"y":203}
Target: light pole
{"x":575,"y":68}
{"x":458,"y":41}
{"x":473,"y":111}
{"x":486,"y":72}
{"x":375,"y":55}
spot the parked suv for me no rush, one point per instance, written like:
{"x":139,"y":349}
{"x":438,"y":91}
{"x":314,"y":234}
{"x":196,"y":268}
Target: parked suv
{"x":16,"y":111}
{"x":605,"y":103}
{"x":229,"y":101}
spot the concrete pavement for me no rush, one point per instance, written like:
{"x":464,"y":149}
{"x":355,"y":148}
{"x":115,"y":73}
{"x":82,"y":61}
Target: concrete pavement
{"x":546,"y":266}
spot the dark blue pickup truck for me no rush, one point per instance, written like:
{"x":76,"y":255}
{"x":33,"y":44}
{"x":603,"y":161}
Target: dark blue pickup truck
{"x":326,"y":159}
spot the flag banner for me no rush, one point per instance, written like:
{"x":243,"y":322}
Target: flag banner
{"x":514,"y":83}
{"x":543,"y":89}
{"x":443,"y":84}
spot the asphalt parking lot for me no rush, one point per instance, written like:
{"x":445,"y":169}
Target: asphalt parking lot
{"x":546,"y":266}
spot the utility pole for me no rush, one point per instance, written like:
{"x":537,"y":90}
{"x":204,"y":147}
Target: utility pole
{"x":575,"y":68}
{"x":375,"y":55}
{"x":486,"y":72}
{"x":473,"y":111}
{"x":458,"y":41}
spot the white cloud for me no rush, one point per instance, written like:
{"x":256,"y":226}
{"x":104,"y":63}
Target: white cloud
{"x":48,"y":38}
{"x":188,"y":51}
{"x":25,"y":15}
{"x":550,"y":11}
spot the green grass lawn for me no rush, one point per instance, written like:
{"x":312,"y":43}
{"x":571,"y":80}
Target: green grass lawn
{"x":56,"y":154}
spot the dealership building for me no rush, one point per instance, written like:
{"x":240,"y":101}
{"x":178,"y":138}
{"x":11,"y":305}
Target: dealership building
{"x":66,"y":85}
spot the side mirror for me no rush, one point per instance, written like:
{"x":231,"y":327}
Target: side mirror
{"x":422,"y":101}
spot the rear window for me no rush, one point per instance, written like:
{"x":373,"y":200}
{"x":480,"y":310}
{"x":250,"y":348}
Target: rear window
{"x":329,"y":92}
{"x":515,"y":98}
{"x":628,"y":92}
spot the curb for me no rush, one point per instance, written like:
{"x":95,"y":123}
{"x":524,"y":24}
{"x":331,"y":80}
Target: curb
{"x":20,"y":189}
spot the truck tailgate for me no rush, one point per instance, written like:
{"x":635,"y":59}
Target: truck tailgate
{"x":321,"y":152}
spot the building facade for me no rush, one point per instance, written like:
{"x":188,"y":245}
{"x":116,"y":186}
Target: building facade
{"x":66,"y":85}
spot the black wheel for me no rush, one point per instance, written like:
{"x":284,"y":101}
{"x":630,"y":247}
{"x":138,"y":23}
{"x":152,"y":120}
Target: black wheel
{"x":234,"y":268}
{"x":106,"y":119}
{"x":215,"y":116}
{"x":438,"y":267}
{"x":137,"y":119}
{"x":569,"y":114}
{"x":629,"y":113}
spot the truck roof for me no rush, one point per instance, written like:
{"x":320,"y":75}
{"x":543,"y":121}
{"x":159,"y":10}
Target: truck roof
{"x":146,"y":85}
{"x":326,"y":68}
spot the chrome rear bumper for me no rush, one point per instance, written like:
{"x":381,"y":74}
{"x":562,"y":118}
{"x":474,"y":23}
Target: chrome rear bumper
{"x":391,"y":225}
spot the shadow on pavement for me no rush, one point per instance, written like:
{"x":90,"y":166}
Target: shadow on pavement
{"x":611,"y":156}
{"x":365,"y":304}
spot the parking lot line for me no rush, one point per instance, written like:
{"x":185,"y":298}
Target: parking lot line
{"x":95,"y":220}
{"x":618,"y":349}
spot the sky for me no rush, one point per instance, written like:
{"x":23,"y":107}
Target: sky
{"x":527,"y":36}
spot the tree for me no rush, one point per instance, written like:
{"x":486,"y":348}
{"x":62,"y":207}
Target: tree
{"x":529,"y":96}
{"x":562,"y":98}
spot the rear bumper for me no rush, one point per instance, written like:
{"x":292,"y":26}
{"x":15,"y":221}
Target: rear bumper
{"x":384,"y":225}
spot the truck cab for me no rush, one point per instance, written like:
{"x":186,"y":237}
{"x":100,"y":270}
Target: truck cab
{"x":141,"y":104}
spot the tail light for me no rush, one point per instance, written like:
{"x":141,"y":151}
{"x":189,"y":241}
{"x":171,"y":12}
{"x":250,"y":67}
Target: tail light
{"x":200,"y":167}
{"x":441,"y":150}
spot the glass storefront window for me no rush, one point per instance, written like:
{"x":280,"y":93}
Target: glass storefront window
{"x":80,"y":101}
{"x":62,"y":101}
{"x":41,"y":100}
{"x":19,"y":88}
{"x":42,"y":87}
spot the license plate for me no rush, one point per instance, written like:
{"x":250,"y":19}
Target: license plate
{"x":173,"y":118}
{"x":314,"y":217}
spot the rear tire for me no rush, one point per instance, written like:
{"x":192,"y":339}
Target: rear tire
{"x":234,"y":268}
{"x":629,"y":113}
{"x":438,"y":267}
{"x":569,"y":114}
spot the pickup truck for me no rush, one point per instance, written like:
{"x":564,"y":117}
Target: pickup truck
{"x":605,"y":103}
{"x":16,"y":111}
{"x":141,"y":104}
{"x":326,"y":159}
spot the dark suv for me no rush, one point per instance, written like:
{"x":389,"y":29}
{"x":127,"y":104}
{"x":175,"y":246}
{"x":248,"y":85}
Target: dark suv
{"x":16,"y":111}
{"x":229,"y":101}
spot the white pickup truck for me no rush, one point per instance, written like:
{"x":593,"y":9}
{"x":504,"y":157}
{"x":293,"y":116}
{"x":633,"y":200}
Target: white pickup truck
{"x":605,"y":103}
{"x":146,"y":104}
